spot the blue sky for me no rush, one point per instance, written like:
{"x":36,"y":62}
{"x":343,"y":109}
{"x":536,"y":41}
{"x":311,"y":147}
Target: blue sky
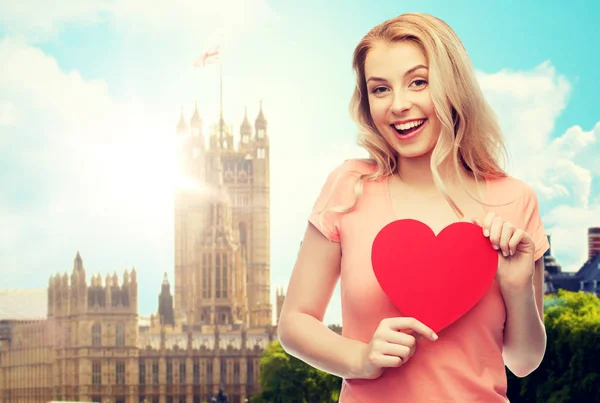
{"x":90,"y":94}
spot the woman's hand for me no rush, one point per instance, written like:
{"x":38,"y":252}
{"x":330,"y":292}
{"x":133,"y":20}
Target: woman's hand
{"x":516,"y":251}
{"x":391,"y":345}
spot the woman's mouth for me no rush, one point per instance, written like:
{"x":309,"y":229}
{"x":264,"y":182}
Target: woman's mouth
{"x":409,"y":130}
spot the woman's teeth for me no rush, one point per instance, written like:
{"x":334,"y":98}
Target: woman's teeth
{"x":407,"y":127}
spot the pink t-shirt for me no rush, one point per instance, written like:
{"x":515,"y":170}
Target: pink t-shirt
{"x":465,"y":364}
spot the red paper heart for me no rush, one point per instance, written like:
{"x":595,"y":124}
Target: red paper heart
{"x":433,"y":279}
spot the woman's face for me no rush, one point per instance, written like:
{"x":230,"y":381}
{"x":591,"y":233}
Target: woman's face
{"x":400,"y":103}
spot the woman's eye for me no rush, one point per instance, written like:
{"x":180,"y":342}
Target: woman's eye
{"x":378,"y":90}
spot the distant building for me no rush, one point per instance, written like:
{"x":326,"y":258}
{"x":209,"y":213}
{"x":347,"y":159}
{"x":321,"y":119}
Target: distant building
{"x":82,"y":338}
{"x":586,"y":279}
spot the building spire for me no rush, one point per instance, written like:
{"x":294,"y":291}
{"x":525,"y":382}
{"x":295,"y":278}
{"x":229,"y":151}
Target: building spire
{"x":182,"y":125}
{"x":261,"y":122}
{"x":245,"y":128}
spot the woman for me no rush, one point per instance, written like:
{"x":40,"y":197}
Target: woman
{"x":434,"y":145}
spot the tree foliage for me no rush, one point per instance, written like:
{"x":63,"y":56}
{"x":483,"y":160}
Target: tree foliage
{"x":284,"y":378}
{"x":570,"y":371}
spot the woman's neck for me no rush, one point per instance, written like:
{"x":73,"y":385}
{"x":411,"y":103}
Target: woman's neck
{"x":417,"y":173}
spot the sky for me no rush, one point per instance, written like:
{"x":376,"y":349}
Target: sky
{"x":91,"y":92}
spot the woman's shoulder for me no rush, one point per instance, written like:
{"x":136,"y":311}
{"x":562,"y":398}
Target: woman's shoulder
{"x":511,"y":188}
{"x":340,"y":185}
{"x":511,"y":184}
{"x":356,"y":166}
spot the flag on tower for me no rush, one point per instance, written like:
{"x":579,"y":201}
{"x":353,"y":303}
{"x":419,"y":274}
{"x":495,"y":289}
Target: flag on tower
{"x":209,"y":57}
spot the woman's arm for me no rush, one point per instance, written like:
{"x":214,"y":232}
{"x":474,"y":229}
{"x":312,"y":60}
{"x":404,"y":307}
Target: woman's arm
{"x":524,"y":331}
{"x":301,"y":329}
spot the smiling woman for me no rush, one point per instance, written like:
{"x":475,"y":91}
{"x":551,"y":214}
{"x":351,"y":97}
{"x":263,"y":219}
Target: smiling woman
{"x":433,"y":143}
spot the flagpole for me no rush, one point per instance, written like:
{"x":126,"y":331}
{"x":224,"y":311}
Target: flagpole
{"x":221,"y":101}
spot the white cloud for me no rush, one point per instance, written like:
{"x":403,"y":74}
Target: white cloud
{"x":527,"y":103}
{"x":43,"y":21}
{"x":575,"y":140}
{"x":85,"y":172}
{"x":560,"y":169}
{"x":8,"y":114}
{"x":36,"y":82}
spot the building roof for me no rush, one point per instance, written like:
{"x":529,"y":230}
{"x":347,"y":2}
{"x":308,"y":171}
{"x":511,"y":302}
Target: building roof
{"x":591,"y":269}
{"x":586,"y":279}
{"x":23,"y":304}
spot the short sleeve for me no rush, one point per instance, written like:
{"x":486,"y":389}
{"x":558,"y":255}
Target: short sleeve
{"x":533,"y":222}
{"x":336,"y":194}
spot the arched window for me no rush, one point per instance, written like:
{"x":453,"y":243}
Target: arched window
{"x":96,"y":335}
{"x":120,"y":335}
{"x":243,"y":234}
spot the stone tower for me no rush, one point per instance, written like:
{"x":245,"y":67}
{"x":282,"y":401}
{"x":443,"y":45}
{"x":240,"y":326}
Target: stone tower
{"x":165,"y":304}
{"x":222,"y":256}
{"x":102,"y":317}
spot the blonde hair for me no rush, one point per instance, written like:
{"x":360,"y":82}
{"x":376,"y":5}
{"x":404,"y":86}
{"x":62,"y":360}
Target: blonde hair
{"x":470,"y":132}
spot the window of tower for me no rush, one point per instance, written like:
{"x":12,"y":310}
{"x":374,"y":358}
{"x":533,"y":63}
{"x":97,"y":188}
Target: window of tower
{"x":205,"y":269}
{"x":170,"y":372}
{"x":243,"y":233}
{"x":225,"y":279}
{"x":209,"y":372}
{"x":182,"y":372}
{"x":120,"y":369}
{"x":96,"y":335}
{"x":155,"y":372}
{"x":218,"y":275}
{"x":261,"y":133}
{"x":120,"y":339}
{"x":236,"y":373}
{"x":142,"y":373}
{"x":260,"y":153}
{"x":196,"y":371}
{"x":250,"y":371}
{"x":96,"y":372}
{"x":224,"y":370}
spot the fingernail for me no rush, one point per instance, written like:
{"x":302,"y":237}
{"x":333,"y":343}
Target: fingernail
{"x":512,"y":252}
{"x":504,"y":254}
{"x":486,"y":232}
{"x":495,"y":247}
{"x":434,"y":336}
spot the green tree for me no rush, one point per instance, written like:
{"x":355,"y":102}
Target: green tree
{"x":284,"y":378}
{"x":570,"y":371}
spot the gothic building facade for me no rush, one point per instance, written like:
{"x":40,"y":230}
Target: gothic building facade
{"x":586,"y":279}
{"x":208,"y":335}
